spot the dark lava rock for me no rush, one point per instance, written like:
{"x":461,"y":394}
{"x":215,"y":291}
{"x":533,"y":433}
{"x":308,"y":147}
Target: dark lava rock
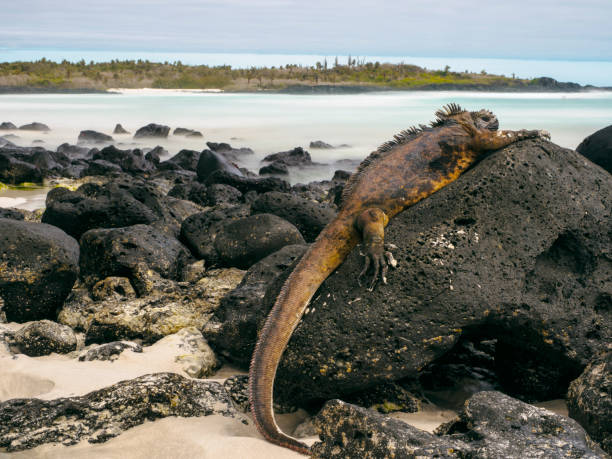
{"x":238,"y":389}
{"x":123,"y":251}
{"x":234,"y":324}
{"x":310,"y":217}
{"x":109,"y":351}
{"x":94,"y":207}
{"x":320,"y":144}
{"x":497,"y":425}
{"x":210,"y":162}
{"x":131,"y":161}
{"x":74,"y":151}
{"x":45,"y":337}
{"x":7,"y":126}
{"x":184,"y":159}
{"x":349,"y":431}
{"x":517,"y":249}
{"x":276,"y":168}
{"x":246,"y":184}
{"x":469,"y":367}
{"x":200,"y":230}
{"x":341,"y":176}
{"x":14,"y":171}
{"x":218,"y":194}
{"x":296,"y":157}
{"x":119,"y":130}
{"x":102,"y":167}
{"x":34,"y":127}
{"x":228,"y":151}
{"x":492,"y":425}
{"x":187,"y":132}
{"x":154,"y":155}
{"x":13,"y":214}
{"x":38,"y":267}
{"x":93,"y":137}
{"x":152,"y":130}
{"x":192,"y":191}
{"x":244,"y":242}
{"x":589,"y":400}
{"x":598,"y":148}
{"x":106,"y":413}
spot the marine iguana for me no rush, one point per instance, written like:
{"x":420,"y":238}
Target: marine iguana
{"x":415,"y":164}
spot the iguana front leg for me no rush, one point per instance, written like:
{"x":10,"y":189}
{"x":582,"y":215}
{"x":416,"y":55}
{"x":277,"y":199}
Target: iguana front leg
{"x":494,"y":140}
{"x":371,"y":224}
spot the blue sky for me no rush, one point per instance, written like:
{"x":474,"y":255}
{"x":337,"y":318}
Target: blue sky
{"x":532,"y":29}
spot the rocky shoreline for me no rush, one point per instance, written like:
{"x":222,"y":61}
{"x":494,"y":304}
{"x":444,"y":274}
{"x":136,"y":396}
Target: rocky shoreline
{"x":501,"y":298}
{"x":545,"y":85}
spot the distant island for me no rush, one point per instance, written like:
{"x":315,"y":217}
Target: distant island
{"x":353,"y":76}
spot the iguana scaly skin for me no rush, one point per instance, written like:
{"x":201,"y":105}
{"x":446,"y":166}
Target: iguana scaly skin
{"x":417,"y":163}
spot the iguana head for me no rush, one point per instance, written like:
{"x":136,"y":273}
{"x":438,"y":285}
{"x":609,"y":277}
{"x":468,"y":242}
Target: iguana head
{"x":484,"y":119}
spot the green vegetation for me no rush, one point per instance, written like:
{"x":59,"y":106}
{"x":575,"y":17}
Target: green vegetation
{"x":145,"y":74}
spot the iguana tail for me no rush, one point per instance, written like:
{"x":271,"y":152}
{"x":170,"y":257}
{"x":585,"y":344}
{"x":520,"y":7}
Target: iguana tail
{"x":329,"y":250}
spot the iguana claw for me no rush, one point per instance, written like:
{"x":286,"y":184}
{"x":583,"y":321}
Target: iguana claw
{"x":380,"y":260}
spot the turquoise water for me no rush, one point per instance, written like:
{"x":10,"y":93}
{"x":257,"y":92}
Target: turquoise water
{"x":270,"y":123}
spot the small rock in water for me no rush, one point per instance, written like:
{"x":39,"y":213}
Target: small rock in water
{"x":119,"y":130}
{"x":34,"y":127}
{"x":152,"y":130}
{"x":89,"y":136}
{"x":320,"y":144}
{"x":45,"y":337}
{"x":7,"y":126}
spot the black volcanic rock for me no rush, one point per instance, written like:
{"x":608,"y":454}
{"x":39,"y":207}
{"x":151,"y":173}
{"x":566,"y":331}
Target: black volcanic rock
{"x":187,"y":132}
{"x":123,"y":251}
{"x":34,"y":127}
{"x":514,"y":250}
{"x":106,"y":413}
{"x":119,"y":130}
{"x":130,"y":161}
{"x":184,"y":159}
{"x":244,"y":242}
{"x":320,"y":145}
{"x":491,"y":425}
{"x":199,"y":231}
{"x":39,"y":266}
{"x":589,"y":399}
{"x":233,"y":154}
{"x":246,"y":184}
{"x":296,"y":157}
{"x":310,"y":217}
{"x":94,"y":207}
{"x":152,"y":130}
{"x":7,"y":126}
{"x":276,"y":168}
{"x":236,"y":320}
{"x":14,"y":171}
{"x":598,"y":148}
{"x":210,"y":162}
{"x":94,"y":137}
{"x":44,"y":337}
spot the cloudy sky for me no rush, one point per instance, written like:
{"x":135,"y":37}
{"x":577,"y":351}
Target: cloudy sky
{"x":538,"y":29}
